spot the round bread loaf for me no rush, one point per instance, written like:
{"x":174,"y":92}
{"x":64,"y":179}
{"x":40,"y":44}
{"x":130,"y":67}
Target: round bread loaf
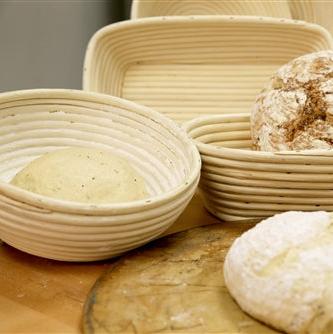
{"x":295,"y":110}
{"x":82,"y":175}
{"x":281,"y":272}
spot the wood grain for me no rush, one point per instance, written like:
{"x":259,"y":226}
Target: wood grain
{"x":39,"y":295}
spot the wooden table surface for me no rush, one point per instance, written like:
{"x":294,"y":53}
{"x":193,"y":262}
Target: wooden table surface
{"x":44,"y":296}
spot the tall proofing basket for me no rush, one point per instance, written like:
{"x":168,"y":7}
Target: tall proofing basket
{"x":144,"y":8}
{"x":35,"y":122}
{"x":314,"y":11}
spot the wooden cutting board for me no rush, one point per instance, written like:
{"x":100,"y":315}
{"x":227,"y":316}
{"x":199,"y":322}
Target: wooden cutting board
{"x":173,"y":285}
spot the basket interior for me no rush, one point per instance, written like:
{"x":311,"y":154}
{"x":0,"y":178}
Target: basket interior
{"x":232,"y":133}
{"x":30,"y":127}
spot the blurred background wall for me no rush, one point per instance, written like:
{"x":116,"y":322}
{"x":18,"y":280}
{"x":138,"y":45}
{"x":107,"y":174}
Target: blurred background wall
{"x":42,"y":43}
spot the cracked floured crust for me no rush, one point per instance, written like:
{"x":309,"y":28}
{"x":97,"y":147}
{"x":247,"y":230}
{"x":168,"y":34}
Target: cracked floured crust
{"x":295,"y":110}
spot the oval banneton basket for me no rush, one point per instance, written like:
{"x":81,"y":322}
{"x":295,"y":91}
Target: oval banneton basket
{"x":237,"y":183}
{"x":38,"y":121}
{"x":144,"y":8}
{"x":187,"y":67}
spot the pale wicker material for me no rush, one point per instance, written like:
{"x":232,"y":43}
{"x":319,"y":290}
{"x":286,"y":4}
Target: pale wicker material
{"x":146,"y":8}
{"x":191,"y":66}
{"x":237,"y":183}
{"x":38,"y":121}
{"x":316,"y":11}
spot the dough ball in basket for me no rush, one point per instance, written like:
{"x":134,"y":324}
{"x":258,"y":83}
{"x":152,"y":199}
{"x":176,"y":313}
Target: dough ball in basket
{"x":82,"y":175}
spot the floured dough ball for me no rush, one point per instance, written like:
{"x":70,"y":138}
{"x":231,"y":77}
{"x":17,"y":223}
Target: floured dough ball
{"x":82,"y":175}
{"x":281,"y":272}
{"x":295,"y":110}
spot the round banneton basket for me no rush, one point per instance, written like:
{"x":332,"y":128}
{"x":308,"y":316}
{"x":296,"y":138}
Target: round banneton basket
{"x":238,"y":183}
{"x":35,"y":122}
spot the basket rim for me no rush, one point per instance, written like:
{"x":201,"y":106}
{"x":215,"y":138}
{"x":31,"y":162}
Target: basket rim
{"x":217,"y":150}
{"x":192,"y":19}
{"x":64,"y":206}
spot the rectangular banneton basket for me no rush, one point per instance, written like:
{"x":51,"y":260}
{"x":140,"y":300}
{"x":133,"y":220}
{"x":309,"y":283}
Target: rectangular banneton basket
{"x":186,"y":67}
{"x":238,"y":183}
{"x":144,"y":8}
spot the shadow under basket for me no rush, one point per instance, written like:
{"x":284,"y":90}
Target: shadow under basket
{"x":238,"y":183}
{"x":35,"y":122}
